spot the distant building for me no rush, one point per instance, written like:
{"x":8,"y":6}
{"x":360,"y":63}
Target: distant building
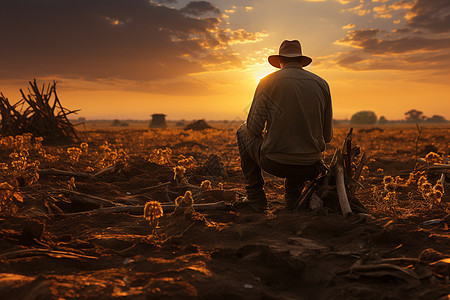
{"x":158,"y":121}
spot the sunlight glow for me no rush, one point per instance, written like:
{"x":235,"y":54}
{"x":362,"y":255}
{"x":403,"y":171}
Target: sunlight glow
{"x":261,"y":71}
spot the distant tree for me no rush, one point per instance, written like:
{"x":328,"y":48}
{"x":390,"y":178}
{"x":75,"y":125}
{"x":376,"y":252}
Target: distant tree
{"x":116,"y":122}
{"x":382,"y":120}
{"x":436,"y":119}
{"x":414,"y":116}
{"x":365,"y":117}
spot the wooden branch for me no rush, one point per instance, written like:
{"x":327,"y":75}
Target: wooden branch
{"x":56,"y":172}
{"x":439,"y":167}
{"x":139,"y":209}
{"x":340,"y":185}
{"x":50,"y":253}
{"x":110,"y":168}
{"x":442,"y":180}
{"x":98,"y":200}
{"x":307,"y":193}
{"x":355,"y":179}
{"x":150,"y":188}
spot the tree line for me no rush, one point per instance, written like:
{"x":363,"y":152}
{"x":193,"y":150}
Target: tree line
{"x":367,"y":117}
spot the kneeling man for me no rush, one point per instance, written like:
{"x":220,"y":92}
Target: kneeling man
{"x":288,"y":125}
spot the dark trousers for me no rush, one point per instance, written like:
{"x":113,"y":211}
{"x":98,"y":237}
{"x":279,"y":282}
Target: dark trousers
{"x":252,"y":162}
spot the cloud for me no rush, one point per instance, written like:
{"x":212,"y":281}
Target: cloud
{"x":432,"y":15}
{"x":198,"y":8}
{"x":166,"y":1}
{"x":424,"y":43}
{"x":111,"y":39}
{"x":348,"y":26}
{"x":359,"y":10}
{"x":367,"y":40}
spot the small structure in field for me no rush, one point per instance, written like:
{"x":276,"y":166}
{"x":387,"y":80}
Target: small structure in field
{"x":158,"y":121}
{"x":198,"y":125}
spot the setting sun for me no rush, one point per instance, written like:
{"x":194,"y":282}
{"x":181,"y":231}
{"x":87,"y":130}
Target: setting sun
{"x":388,"y":56}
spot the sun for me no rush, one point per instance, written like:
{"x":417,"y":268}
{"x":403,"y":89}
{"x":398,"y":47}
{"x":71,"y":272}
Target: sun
{"x":262,"y":70}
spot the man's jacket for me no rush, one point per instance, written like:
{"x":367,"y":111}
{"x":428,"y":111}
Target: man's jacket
{"x":292,"y":110}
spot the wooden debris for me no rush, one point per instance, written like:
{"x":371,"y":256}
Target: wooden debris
{"x":382,"y":270}
{"x":107,"y":169}
{"x":47,"y":252}
{"x":441,"y":268}
{"x":341,"y":188}
{"x":139,"y":209}
{"x":56,"y":172}
{"x":340,"y":181}
{"x":40,"y":113}
{"x":91,"y":199}
{"x":150,"y":188}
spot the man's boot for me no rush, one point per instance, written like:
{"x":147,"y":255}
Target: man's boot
{"x":256,"y":198}
{"x":293,"y":189}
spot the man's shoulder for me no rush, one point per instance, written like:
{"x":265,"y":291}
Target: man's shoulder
{"x":271,"y":76}
{"x":317,"y":78}
{"x":313,"y":75}
{"x":286,"y":73}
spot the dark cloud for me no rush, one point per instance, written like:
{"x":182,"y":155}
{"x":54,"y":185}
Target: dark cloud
{"x":367,"y":41}
{"x":411,"y":62}
{"x":401,"y":30}
{"x":432,"y":15}
{"x":350,"y":59}
{"x":95,"y":39}
{"x":198,"y":8}
{"x":425,"y":44}
{"x":166,"y":1}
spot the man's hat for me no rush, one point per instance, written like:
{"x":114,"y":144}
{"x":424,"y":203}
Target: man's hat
{"x":289,"y":49}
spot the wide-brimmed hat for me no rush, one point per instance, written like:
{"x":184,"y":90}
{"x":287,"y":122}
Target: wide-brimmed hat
{"x":289,"y":49}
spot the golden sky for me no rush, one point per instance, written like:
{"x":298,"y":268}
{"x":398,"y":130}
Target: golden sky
{"x":129,"y":59}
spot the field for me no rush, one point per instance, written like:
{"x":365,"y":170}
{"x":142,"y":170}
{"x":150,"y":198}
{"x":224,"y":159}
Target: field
{"x":59,"y":238}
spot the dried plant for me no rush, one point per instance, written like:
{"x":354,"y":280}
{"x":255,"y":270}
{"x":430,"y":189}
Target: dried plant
{"x":21,"y":171}
{"x":188,"y":162}
{"x":206,"y":185}
{"x":84,"y":146}
{"x":71,"y":184}
{"x":432,"y":194}
{"x":74,"y":154}
{"x":152,"y":212}
{"x":178,"y":173}
{"x":433,"y":157}
{"x":390,"y":195}
{"x":161,"y":157}
{"x":185,"y":201}
{"x":110,"y":156}
{"x":8,"y":194}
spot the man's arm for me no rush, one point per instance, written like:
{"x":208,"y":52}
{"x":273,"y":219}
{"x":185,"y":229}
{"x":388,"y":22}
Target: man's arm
{"x":328,"y":119}
{"x":258,"y":113}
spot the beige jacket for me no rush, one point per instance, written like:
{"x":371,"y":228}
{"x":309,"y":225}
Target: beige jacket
{"x":294,"y":107}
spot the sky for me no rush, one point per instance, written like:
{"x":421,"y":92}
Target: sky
{"x":128,"y":59}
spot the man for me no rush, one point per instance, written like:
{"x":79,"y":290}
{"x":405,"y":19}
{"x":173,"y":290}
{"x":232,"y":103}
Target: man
{"x":288,"y":125}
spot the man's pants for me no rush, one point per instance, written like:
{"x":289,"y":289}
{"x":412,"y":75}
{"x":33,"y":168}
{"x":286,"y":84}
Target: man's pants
{"x":252,"y":162}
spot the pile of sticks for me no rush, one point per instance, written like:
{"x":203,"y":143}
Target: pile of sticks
{"x":40,"y":113}
{"x":338,"y":184}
